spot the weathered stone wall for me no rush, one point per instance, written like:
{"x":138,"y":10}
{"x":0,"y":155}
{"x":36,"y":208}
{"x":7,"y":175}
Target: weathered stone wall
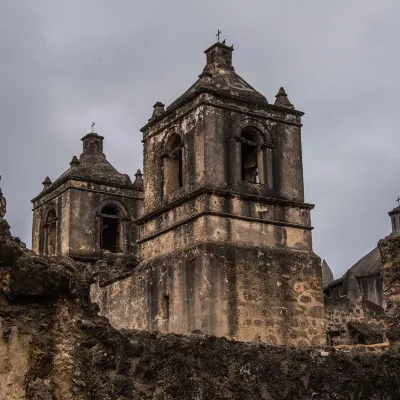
{"x":390,"y":255}
{"x":189,"y":127}
{"x":85,"y":221}
{"x":207,"y":125}
{"x":221,"y":152}
{"x":226,"y":218}
{"x":54,"y":346}
{"x":339,"y":312}
{"x":14,"y":357}
{"x":60,"y":201}
{"x":220,"y":289}
{"x":78,"y":204}
{"x":206,"y":228}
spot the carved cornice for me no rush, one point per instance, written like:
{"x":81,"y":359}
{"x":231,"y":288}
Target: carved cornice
{"x":221,"y":193}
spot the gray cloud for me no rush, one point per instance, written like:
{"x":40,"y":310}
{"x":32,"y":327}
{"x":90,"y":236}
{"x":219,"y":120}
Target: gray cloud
{"x":65,"y":64}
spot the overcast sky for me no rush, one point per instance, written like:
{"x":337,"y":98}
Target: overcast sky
{"x":65,"y":64}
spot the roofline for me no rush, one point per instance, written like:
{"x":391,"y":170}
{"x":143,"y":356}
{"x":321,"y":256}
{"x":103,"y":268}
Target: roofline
{"x":220,"y":45}
{"x":217,"y":93}
{"x":82,"y":179}
{"x":94,"y":134}
{"x":394,"y":211}
{"x":340,"y":280}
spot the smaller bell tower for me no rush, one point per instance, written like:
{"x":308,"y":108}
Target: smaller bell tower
{"x":88,"y":213}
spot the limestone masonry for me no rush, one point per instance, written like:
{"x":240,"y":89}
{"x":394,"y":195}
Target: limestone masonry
{"x":149,"y":289}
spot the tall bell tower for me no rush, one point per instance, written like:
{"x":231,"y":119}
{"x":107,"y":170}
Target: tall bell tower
{"x":225,"y":235}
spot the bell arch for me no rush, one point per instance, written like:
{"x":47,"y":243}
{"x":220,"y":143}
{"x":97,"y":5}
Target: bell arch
{"x":172,"y":161}
{"x":111,"y":224}
{"x":49,"y":232}
{"x":254,"y":153}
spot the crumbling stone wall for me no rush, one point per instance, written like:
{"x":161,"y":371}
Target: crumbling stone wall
{"x":14,"y":356}
{"x":390,"y":255}
{"x":341,"y":313}
{"x":62,"y":349}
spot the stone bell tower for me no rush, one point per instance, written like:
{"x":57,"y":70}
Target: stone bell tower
{"x":88,"y":213}
{"x":225,"y":237}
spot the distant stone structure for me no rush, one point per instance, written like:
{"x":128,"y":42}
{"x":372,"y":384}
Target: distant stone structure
{"x":353,"y":303}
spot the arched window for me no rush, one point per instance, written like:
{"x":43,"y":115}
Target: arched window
{"x":255,"y":157}
{"x":51,"y":233}
{"x":173,"y":165}
{"x":110,"y":229}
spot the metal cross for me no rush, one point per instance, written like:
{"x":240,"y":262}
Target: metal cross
{"x":219,"y":32}
{"x":93,"y":124}
{"x":398,"y":200}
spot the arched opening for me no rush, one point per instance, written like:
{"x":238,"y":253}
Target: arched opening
{"x":249,"y":149}
{"x":51,"y":233}
{"x":173,"y":165}
{"x":110,"y":229}
{"x":252,"y":157}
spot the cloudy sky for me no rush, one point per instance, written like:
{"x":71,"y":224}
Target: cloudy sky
{"x":65,"y":64}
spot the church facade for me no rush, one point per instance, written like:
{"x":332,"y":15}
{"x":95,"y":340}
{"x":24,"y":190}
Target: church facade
{"x":218,"y":237}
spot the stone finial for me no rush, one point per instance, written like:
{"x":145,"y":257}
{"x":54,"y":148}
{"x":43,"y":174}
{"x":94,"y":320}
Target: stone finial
{"x":327,"y":275}
{"x":139,"y":179}
{"x":47,"y":183}
{"x":74,"y":162}
{"x":93,"y":144}
{"x":282,"y":99}
{"x":219,"y":55}
{"x":354,"y":293}
{"x":158,"y":109}
{"x":3,"y":205}
{"x":128,"y":179}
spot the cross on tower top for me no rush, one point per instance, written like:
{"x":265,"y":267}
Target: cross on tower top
{"x":398,"y":200}
{"x":93,"y":124}
{"x":218,"y":33}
